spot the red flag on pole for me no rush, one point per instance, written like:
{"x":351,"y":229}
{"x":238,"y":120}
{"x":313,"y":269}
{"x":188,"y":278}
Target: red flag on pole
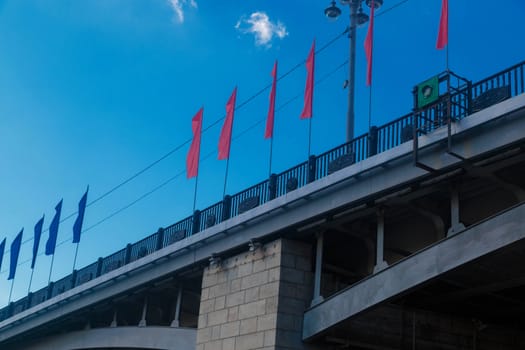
{"x":192,"y":159}
{"x":309,"y":90}
{"x":226,"y":132}
{"x":268,"y":133}
{"x":369,"y":45}
{"x":442,"y":39}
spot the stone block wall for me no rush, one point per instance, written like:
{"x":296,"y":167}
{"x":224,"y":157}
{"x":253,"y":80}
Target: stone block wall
{"x":256,"y":300}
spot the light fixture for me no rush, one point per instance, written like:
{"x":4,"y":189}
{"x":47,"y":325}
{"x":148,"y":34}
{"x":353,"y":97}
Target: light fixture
{"x":332,"y":12}
{"x":361,"y":17}
{"x":253,"y":245}
{"x":377,"y":3}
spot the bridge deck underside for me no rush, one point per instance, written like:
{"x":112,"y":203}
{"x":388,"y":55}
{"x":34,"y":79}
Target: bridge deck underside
{"x":468,"y":290}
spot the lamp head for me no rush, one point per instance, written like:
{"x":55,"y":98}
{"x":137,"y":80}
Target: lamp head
{"x":332,"y":12}
{"x":377,"y":3}
{"x":361,"y":17}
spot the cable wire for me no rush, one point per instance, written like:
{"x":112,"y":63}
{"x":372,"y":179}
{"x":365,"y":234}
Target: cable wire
{"x":203,"y":159}
{"x":184,"y":143}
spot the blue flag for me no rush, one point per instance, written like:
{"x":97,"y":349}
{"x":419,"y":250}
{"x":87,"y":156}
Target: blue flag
{"x":77,"y":226}
{"x":36,"y":242}
{"x":53,"y":230}
{"x":2,"y":248}
{"x":15,"y":251}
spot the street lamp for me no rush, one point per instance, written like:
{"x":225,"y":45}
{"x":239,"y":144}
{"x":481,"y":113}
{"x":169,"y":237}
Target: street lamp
{"x":357,"y":18}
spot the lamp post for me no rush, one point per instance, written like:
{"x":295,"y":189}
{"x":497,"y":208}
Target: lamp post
{"x":357,"y":18}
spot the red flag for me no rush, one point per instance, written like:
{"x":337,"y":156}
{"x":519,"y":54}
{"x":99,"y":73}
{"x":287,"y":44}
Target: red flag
{"x":369,"y":45}
{"x":192,"y":159}
{"x":226,"y":132}
{"x":309,"y":90}
{"x":442,"y":39}
{"x":268,"y":133}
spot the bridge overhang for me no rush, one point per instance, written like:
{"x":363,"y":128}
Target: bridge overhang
{"x":498,"y":233}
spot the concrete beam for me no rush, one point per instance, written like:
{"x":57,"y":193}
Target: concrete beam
{"x":494,"y":233}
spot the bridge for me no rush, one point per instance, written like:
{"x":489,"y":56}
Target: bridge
{"x":411,"y":236}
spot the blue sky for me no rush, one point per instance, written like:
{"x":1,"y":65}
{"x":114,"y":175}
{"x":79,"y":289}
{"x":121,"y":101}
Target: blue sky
{"x":91,"y":92}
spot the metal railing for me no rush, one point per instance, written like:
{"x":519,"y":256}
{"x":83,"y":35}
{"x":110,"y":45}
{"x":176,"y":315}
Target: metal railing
{"x":464,"y":101}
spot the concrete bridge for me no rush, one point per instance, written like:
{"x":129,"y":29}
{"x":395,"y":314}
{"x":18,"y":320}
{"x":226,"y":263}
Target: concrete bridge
{"x":409,"y":237}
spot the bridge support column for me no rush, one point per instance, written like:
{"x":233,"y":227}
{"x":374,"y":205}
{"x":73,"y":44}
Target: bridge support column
{"x":142,"y":322}
{"x":318,"y":269}
{"x":380,"y":242}
{"x":175,"y":322}
{"x":455,"y":225}
{"x":257,"y":299}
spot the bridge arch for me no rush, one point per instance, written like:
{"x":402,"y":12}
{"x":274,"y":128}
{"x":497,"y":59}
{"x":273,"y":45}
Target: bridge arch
{"x":123,"y":338}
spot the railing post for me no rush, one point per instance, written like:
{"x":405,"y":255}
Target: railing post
{"x":469,"y":98}
{"x":196,"y":222}
{"x":50,"y":290}
{"x":272,"y":187}
{"x":226,"y":207}
{"x":160,"y":238}
{"x":29,"y":300}
{"x":127,"y":257}
{"x":73,"y":279}
{"x":372,"y":141}
{"x":10,"y":309}
{"x":99,"y":266}
{"x":311,"y":168}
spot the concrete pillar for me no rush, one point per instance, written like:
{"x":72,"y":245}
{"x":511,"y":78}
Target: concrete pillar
{"x":318,"y":269}
{"x":380,"y":241}
{"x":256,"y":300}
{"x":142,"y":322}
{"x":114,"y":322}
{"x":455,"y":225}
{"x":176,"y":318}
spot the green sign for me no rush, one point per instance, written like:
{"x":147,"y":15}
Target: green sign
{"x":427,"y":92}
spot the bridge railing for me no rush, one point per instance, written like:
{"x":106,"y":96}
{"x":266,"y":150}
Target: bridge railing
{"x":465,"y":100}
{"x":38,"y":297}
{"x":291,"y":179}
{"x":144,"y":247}
{"x":87,"y":273}
{"x":211,"y":216}
{"x":341,"y":156}
{"x":250,"y":198}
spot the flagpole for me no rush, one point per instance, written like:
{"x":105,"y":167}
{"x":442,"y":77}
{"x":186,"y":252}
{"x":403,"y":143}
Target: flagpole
{"x":226,"y":176}
{"x":309,"y":136}
{"x":11,"y":291}
{"x":30,"y":281}
{"x":195,"y":193}
{"x":370,"y":108}
{"x":271,"y":151}
{"x":76,"y":254}
{"x":447,"y":41}
{"x":51,"y":268}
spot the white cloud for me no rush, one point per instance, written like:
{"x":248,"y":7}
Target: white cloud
{"x":262,"y":28}
{"x":179,"y":5}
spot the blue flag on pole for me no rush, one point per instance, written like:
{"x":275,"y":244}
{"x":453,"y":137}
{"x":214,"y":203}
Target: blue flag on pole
{"x":77,"y":226}
{"x":15,"y":251}
{"x":2,"y":248}
{"x":36,"y":241}
{"x":53,"y":230}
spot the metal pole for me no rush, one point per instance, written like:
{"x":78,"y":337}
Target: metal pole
{"x":11,"y":292}
{"x":350,"y":117}
{"x":30,"y":281}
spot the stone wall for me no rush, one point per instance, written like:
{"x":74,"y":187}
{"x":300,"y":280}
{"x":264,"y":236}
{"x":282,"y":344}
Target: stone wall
{"x":256,"y":300}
